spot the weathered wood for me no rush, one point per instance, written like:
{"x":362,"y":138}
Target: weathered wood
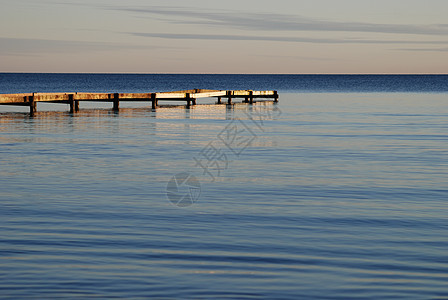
{"x":38,"y":97}
{"x":93,"y":96}
{"x":229,"y":97}
{"x":171,"y":96}
{"x":116,"y":101}
{"x":208,"y":94}
{"x":154,"y":100}
{"x":189,"y":96}
{"x":13,"y":98}
{"x":74,"y":104}
{"x":135,"y":96}
{"x":32,"y":104}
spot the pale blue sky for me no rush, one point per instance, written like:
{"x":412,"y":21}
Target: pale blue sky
{"x":244,"y":36}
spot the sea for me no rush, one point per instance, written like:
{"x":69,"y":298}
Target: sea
{"x":338,"y":191}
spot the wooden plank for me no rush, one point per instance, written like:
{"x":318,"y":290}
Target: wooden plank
{"x":189,"y":96}
{"x":170,"y":96}
{"x":193,"y":91}
{"x":245,"y":93}
{"x":92,"y":96}
{"x":240,"y":93}
{"x":135,"y":96}
{"x":13,"y":98}
{"x":183,"y":94}
{"x":51,"y":97}
{"x":179,"y":92}
{"x":263,"y":93}
{"x":208,"y":94}
{"x":14,"y":95}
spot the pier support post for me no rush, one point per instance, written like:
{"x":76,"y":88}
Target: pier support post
{"x":116,"y":101}
{"x":229,"y":97}
{"x":187,"y":97}
{"x":190,"y":100}
{"x":154,"y":100}
{"x":74,"y":105}
{"x":219,"y":100}
{"x":251,"y":97}
{"x":275,"y":96}
{"x":32,"y":104}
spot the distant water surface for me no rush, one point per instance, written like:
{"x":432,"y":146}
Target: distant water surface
{"x":331,"y":194}
{"x":32,"y":82}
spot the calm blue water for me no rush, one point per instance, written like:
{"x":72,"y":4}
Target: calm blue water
{"x":21,"y":83}
{"x":338,"y":192}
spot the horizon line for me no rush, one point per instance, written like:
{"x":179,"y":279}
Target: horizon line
{"x":182,"y":73}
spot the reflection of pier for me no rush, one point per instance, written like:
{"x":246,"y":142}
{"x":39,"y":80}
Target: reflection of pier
{"x":188,"y":96}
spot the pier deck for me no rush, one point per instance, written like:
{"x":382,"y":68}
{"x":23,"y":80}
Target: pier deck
{"x":188,"y":96}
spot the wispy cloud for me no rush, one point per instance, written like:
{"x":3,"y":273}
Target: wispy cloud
{"x":299,"y":57}
{"x":278,"y":22}
{"x":424,"y":49}
{"x":24,"y":46}
{"x":282,"y":39}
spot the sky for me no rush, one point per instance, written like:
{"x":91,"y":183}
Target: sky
{"x":232,"y":36}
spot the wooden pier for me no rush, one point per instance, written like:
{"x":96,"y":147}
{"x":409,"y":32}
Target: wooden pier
{"x":188,"y":96}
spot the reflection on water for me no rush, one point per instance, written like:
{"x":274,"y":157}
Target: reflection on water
{"x":338,"y":196}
